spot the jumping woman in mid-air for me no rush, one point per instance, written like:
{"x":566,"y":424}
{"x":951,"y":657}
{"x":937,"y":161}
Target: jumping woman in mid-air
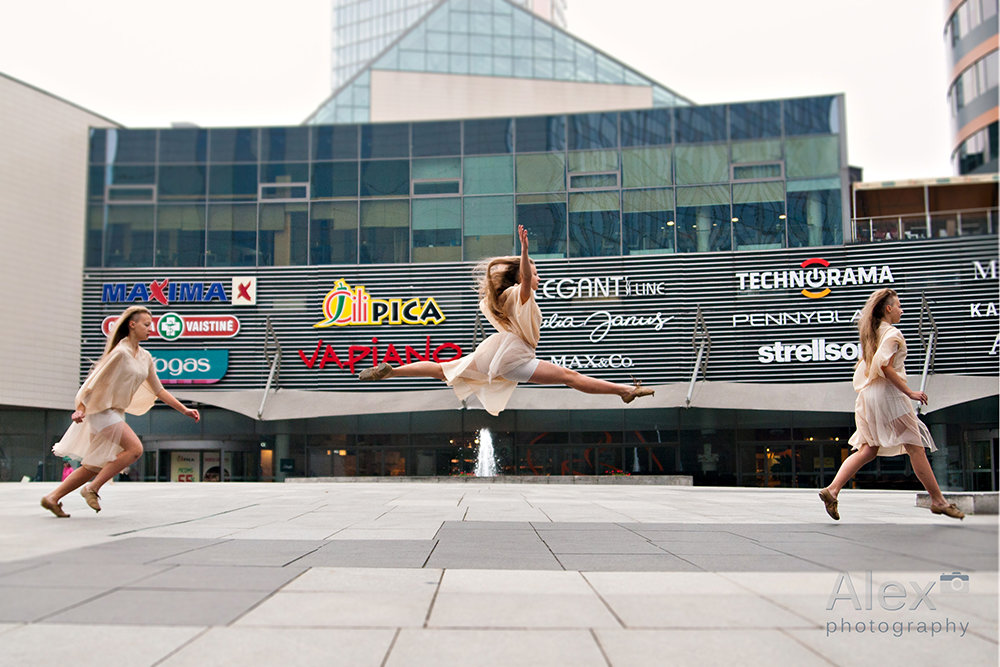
{"x":507,"y":299}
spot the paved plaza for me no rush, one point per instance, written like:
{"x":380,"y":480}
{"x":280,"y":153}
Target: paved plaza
{"x":417,"y":573}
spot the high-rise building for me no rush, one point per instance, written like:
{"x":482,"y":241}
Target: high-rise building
{"x":362,"y":28}
{"x":971,"y":36}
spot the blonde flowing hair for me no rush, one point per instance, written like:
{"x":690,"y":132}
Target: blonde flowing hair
{"x":493,"y":277}
{"x":871,"y":317}
{"x":120,"y":328}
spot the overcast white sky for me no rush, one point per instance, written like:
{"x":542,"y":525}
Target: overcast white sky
{"x":256,"y":62}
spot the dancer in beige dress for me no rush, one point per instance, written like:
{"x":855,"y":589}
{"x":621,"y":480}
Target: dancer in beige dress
{"x":887,"y":424}
{"x":507,"y":291}
{"x":123,"y":380}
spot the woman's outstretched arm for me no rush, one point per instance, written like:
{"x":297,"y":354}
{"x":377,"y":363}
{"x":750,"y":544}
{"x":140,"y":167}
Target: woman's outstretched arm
{"x":522,"y":234}
{"x":169,"y":399}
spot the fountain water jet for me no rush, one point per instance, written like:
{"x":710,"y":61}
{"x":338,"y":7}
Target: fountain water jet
{"x":486,"y":464}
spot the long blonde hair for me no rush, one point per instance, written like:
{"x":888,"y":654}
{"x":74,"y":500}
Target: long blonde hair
{"x":120,"y":328}
{"x":871,"y":317}
{"x":493,"y":277}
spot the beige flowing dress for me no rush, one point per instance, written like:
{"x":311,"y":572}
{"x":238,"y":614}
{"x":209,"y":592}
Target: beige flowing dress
{"x":120,"y":382}
{"x":884,"y":416}
{"x":482,"y":372}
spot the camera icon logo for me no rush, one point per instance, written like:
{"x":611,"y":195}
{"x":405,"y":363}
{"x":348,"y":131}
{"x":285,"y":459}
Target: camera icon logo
{"x":959,"y":582}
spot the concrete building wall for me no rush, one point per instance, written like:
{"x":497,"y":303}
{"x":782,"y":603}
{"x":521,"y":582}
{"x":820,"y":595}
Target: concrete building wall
{"x":413,"y":96}
{"x":43,"y":181}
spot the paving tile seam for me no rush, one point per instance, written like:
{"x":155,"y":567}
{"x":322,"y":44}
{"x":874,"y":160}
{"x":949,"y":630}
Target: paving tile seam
{"x":430,"y":607}
{"x":807,"y":647}
{"x":392,"y":645}
{"x":178,"y":523}
{"x":178,"y":649}
{"x":603,"y":601}
{"x":263,"y":599}
{"x":600,"y":647}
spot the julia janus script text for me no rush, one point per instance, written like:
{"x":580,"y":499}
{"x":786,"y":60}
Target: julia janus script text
{"x":603,"y":321}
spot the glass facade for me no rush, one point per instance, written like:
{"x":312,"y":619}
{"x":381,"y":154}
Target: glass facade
{"x":690,"y":179}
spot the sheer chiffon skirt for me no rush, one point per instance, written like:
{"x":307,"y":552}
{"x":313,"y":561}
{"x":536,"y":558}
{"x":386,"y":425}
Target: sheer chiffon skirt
{"x":94,"y":441}
{"x":885,"y":419}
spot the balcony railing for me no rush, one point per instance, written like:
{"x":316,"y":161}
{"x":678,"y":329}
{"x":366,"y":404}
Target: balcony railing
{"x":936,"y":224}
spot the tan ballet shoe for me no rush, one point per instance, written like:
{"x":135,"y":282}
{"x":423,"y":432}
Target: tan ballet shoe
{"x":950,"y":510}
{"x":637,"y":391}
{"x":831,"y":504}
{"x":375,"y":373}
{"x":55,"y":508}
{"x":93,"y":500}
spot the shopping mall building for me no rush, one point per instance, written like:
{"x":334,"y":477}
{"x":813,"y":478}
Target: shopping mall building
{"x":718,"y":253}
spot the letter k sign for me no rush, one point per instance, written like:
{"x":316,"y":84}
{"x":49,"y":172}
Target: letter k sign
{"x":244,"y":291}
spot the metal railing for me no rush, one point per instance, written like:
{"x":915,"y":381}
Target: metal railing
{"x":930,"y":225}
{"x":272,"y":355}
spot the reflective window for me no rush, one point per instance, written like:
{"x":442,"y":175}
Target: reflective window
{"x":646,"y":128}
{"x":132,"y":175}
{"x":98,"y":145}
{"x":437,"y":230}
{"x":813,"y":115}
{"x":183,"y":145}
{"x":284,"y":144}
{"x":645,"y":167}
{"x":334,"y":179}
{"x":700,"y":124}
{"x":703,"y":221}
{"x":232,"y":235}
{"x":764,"y":150}
{"x":180,"y":235}
{"x":758,"y":215}
{"x":236,"y":181}
{"x":483,"y":137}
{"x":488,"y":175}
{"x":593,"y":161}
{"x":647,"y":221}
{"x":812,"y":157}
{"x":129,"y":236}
{"x":383,"y":178}
{"x":333,"y":233}
{"x":593,"y":130}
{"x":541,"y":173}
{"x":489,"y":227}
{"x":594,"y":228}
{"x":545,"y":219}
{"x":285,"y":172}
{"x":233,"y":145}
{"x":124,"y":146}
{"x":437,"y":139}
{"x":95,"y":182}
{"x":335,"y":142}
{"x":702,"y":164}
{"x":385,"y":231}
{"x":284,"y":230}
{"x":545,"y":133}
{"x":758,"y":120}
{"x":814,"y":217}
{"x":181,"y":182}
{"x":389,"y":140}
{"x":95,"y":235}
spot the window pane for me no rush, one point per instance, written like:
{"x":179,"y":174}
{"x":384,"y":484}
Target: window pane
{"x":236,"y":181}
{"x":811,"y":116}
{"x":647,"y":221}
{"x":233,"y":145}
{"x":183,"y":145}
{"x":180,"y":235}
{"x":546,"y":133}
{"x":284,"y":144}
{"x":334,"y":233}
{"x":594,"y":229}
{"x":436,"y":188}
{"x":703,"y":228}
{"x":98,"y":145}
{"x":437,"y":139}
{"x":437,"y":230}
{"x":757,"y":171}
{"x":489,"y":227}
{"x":95,"y":235}
{"x":391,"y":140}
{"x":700,"y":124}
{"x":755,"y":120}
{"x":385,"y":232}
{"x":334,"y":179}
{"x":593,"y":130}
{"x":814,"y":218}
{"x":187,"y":182}
{"x":335,"y":143}
{"x":285,"y":172}
{"x":95,"y":183}
{"x":488,"y":175}
{"x":646,"y":128}
{"x":489,"y":136}
{"x":283,"y":234}
{"x":129,"y":239}
{"x":439,"y":168}
{"x":593,"y":161}
{"x":810,"y":157}
{"x":546,"y":225}
{"x":643,"y":167}
{"x":232,"y":235}
{"x":541,"y":173}
{"x":702,"y":164}
{"x":764,"y":150}
{"x":385,"y":178}
{"x":131,"y":146}
{"x":758,"y":225}
{"x":590,"y":181}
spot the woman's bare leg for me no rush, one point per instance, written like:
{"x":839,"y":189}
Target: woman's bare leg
{"x":76,"y":479}
{"x":418,"y":369}
{"x":850,"y":467}
{"x":549,"y":373}
{"x":129,"y":455}
{"x":922,"y":468}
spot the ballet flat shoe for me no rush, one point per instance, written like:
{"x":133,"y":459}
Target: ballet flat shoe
{"x":637,"y":391}
{"x":93,"y":500}
{"x":375,"y":373}
{"x":951,"y":510}
{"x":55,"y":508}
{"x":831,"y":504}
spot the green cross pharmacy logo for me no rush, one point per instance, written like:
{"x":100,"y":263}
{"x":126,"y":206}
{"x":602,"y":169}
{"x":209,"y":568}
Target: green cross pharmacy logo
{"x":170,"y":326}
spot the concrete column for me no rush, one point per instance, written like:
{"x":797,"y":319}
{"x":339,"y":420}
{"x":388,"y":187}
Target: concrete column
{"x":281,"y":451}
{"x":939,"y":459}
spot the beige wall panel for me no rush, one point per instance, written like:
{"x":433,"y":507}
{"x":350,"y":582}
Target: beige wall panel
{"x":412,"y":96}
{"x":43,"y":180}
